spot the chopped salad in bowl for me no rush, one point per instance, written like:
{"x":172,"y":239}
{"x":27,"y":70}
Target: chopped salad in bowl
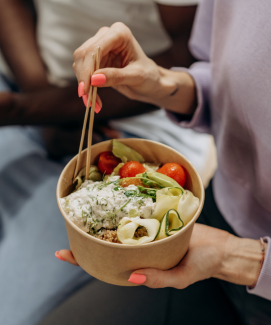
{"x":127,"y":200}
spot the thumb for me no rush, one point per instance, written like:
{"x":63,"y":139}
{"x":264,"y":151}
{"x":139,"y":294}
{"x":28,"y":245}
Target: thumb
{"x":111,"y":77}
{"x":155,"y":278}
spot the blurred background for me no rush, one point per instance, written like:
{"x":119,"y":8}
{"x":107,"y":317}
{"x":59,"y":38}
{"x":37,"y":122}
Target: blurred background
{"x":41,"y":118}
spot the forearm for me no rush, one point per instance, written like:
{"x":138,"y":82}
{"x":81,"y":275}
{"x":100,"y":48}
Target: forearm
{"x":62,"y":106}
{"x":18,"y":44}
{"x":241,"y":263}
{"x":50,"y":106}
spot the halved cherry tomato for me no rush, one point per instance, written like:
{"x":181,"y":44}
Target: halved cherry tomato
{"x":174,"y":171}
{"x":131,"y":169}
{"x":107,"y":162}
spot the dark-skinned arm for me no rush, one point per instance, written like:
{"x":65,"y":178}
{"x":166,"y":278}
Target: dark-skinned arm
{"x":40,"y":103}
{"x":18,"y":44}
{"x":32,"y":108}
{"x":50,"y":106}
{"x":36,"y":109}
{"x":177,"y":21}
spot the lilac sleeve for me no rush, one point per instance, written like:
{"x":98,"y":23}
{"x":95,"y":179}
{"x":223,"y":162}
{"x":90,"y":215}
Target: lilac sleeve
{"x":200,"y":45}
{"x":200,"y":121}
{"x":263,"y":286}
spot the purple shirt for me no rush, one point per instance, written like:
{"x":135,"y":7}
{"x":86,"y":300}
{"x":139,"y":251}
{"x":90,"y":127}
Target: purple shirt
{"x":232,"y":40}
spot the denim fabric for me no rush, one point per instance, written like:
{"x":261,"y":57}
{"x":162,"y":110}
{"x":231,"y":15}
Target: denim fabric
{"x":32,"y":280}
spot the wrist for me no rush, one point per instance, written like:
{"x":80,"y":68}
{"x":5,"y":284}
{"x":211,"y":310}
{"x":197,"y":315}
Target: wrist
{"x":177,"y":91}
{"x":241,"y":261}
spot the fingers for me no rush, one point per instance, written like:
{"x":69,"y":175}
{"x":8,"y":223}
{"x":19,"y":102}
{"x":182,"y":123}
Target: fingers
{"x":117,"y":40}
{"x":153,"y":278}
{"x":98,"y":104}
{"x":131,"y":75}
{"x":66,"y":255}
{"x":79,"y":54}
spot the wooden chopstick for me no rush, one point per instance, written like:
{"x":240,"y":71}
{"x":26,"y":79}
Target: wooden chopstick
{"x":91,"y":119}
{"x":85,"y":123}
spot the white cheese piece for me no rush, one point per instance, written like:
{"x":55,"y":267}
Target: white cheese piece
{"x":97,"y":205}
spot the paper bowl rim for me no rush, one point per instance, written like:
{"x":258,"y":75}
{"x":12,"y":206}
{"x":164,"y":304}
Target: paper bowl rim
{"x":125,"y":246}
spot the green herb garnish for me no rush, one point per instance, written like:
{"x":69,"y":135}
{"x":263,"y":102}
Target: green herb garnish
{"x":129,"y":193}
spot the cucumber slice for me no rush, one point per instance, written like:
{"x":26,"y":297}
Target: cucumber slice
{"x":161,"y":179}
{"x":166,"y":199}
{"x":170,"y":224}
{"x":187,"y":206}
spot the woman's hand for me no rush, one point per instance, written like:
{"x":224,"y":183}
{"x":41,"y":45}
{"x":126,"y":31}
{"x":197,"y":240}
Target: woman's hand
{"x":212,"y":253}
{"x":127,"y":69}
{"x":123,"y":62}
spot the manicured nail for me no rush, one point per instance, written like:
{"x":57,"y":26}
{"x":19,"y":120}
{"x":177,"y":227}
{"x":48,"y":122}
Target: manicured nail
{"x":97,"y":107}
{"x":59,"y":257}
{"x":85,"y":100}
{"x":98,"y":79}
{"x":137,"y":278}
{"x":81,"y":89}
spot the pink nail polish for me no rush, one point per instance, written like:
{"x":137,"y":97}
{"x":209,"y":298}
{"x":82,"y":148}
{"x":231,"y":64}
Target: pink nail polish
{"x":97,"y":107}
{"x":81,"y":89}
{"x":137,"y":278}
{"x":98,"y":79}
{"x":59,"y":257}
{"x":85,"y":100}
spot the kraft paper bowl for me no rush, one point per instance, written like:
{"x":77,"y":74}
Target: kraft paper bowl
{"x":114,"y":263}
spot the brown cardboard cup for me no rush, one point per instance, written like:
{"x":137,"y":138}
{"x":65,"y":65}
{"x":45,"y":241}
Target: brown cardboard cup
{"x":114,"y":263}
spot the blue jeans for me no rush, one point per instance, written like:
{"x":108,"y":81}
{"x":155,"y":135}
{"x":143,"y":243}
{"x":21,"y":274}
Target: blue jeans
{"x":32,"y":280}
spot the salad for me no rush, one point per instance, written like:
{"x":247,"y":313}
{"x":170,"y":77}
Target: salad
{"x":129,"y":201}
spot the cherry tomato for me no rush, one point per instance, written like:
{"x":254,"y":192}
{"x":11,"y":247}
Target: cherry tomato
{"x":174,"y":171}
{"x":107,"y":162}
{"x":131,"y":169}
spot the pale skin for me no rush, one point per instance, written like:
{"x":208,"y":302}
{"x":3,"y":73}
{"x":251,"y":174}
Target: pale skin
{"x":212,"y":252}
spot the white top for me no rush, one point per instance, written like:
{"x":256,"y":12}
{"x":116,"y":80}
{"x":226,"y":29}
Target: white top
{"x":63,"y":25}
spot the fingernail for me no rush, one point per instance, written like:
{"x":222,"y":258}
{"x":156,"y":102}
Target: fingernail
{"x":81,"y":89}
{"x":59,"y":257}
{"x":137,"y":278}
{"x":98,"y":79}
{"x":97,"y":107}
{"x":85,"y":100}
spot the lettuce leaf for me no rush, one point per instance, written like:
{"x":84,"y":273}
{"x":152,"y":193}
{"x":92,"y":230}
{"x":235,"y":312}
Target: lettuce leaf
{"x":125,"y":153}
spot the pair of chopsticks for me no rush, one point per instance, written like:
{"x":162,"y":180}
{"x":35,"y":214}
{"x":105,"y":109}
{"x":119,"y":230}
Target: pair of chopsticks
{"x":91,"y":96}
